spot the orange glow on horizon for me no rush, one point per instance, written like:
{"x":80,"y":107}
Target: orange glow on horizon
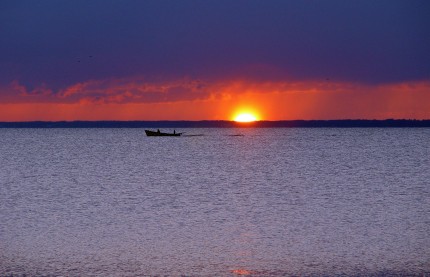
{"x":228,"y":100}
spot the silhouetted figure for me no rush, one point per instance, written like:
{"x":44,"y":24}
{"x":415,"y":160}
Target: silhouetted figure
{"x":158,"y":130}
{"x":174,"y":131}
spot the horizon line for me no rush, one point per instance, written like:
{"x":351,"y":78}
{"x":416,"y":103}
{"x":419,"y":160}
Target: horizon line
{"x":218,"y":120}
{"x":337,"y":123}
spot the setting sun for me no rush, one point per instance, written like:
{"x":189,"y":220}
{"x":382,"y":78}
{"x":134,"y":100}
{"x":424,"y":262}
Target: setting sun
{"x":245,"y":117}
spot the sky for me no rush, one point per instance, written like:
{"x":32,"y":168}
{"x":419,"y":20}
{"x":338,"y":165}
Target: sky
{"x":210,"y":60}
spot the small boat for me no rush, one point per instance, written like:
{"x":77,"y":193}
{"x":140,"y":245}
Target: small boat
{"x":157,"y":133}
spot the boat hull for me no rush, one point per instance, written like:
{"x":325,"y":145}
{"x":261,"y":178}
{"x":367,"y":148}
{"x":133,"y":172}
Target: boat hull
{"x":150,"y":133}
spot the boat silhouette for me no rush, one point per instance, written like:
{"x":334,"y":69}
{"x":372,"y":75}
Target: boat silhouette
{"x":157,"y":133}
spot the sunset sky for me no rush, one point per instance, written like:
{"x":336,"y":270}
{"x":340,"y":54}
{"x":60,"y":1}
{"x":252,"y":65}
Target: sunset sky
{"x":211,"y":59}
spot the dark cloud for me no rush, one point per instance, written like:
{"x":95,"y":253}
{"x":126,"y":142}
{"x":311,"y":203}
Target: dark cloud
{"x":61,"y":43}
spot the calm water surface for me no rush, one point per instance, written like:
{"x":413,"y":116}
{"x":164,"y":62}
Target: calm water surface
{"x":274,"y":202}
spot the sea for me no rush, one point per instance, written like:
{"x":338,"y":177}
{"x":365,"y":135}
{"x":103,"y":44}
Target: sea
{"x":215,"y":202}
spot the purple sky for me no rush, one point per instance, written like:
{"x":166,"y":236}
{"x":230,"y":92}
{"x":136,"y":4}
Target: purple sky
{"x":51,"y":42}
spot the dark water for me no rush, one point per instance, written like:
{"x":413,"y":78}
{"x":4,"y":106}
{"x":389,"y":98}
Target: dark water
{"x":274,"y":202}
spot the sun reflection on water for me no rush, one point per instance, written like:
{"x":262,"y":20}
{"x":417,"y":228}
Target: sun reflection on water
{"x":241,"y":271}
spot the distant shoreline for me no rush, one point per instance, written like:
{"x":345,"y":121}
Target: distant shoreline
{"x":350,"y":123}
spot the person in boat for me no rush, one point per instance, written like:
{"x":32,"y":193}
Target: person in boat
{"x":158,"y":130}
{"x":174,"y":131}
